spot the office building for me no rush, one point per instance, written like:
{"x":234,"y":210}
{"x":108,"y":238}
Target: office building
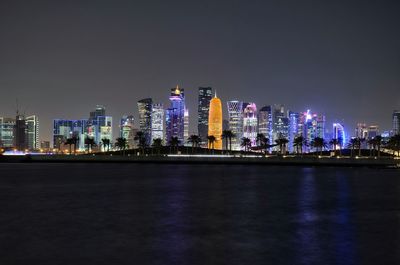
{"x":250,"y":123}
{"x":20,"y":139}
{"x":175,"y":126}
{"x":157,"y":122}
{"x":396,"y":122}
{"x":145,"y":107}
{"x":126,"y":129}
{"x":205,"y":96}
{"x":235,"y":122}
{"x":7,"y":132}
{"x":215,"y":121}
{"x":32,"y":132}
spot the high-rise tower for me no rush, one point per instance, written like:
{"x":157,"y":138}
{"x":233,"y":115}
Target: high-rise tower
{"x":396,"y":122}
{"x":235,"y":122}
{"x":175,"y":115}
{"x":215,"y":121}
{"x":205,"y":96}
{"x":145,"y":107}
{"x":157,"y":122}
{"x":32,"y":132}
{"x":250,"y":123}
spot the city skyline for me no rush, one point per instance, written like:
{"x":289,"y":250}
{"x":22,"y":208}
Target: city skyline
{"x":60,"y":59}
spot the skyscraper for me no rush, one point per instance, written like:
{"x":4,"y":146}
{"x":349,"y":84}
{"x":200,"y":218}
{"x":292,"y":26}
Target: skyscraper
{"x":7,"y":132}
{"x":99,"y":126}
{"x":205,"y":96}
{"x":361,"y":131}
{"x":215,"y":121}
{"x":339,"y":135}
{"x":280,"y":128}
{"x":250,"y":123}
{"x":145,"y":107}
{"x":294,"y":119}
{"x":20,"y":142}
{"x":265,"y":122}
{"x":312,"y":125}
{"x":175,"y":115}
{"x":157,"y":122}
{"x":32,"y":132}
{"x":396,"y":122}
{"x":235,"y":122}
{"x":186,"y":125}
{"x":126,"y":129}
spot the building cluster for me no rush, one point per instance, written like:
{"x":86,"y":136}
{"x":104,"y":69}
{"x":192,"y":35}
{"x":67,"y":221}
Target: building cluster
{"x":21,"y":133}
{"x":245,"y":120}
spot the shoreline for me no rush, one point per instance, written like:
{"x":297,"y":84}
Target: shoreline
{"x":193,"y":159}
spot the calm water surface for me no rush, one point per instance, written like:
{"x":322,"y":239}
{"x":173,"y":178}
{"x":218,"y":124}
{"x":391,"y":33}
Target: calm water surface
{"x":197,"y":214}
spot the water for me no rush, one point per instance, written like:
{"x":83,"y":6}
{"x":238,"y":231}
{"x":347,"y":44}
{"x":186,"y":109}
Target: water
{"x":197,"y":214}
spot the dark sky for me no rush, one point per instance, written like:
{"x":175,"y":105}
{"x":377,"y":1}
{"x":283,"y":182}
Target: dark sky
{"x":61,"y":58}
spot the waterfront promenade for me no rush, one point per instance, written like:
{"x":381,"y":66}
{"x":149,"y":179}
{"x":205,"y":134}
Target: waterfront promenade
{"x":210,"y":159}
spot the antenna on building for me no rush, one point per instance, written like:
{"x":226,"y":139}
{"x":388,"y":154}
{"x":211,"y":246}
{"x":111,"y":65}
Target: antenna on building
{"x":16,"y":102}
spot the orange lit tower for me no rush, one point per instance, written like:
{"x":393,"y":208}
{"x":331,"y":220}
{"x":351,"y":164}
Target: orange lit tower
{"x":215,"y":121}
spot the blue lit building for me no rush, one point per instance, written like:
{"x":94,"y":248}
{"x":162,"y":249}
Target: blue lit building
{"x":64,"y":129}
{"x":175,"y":115}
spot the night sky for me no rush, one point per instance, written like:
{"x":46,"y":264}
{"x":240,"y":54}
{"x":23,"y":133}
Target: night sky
{"x":61,"y":58}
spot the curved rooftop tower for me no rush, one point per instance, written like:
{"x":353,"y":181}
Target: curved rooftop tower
{"x":215,"y":121}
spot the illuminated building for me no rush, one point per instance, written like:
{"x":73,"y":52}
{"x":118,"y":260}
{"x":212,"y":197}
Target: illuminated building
{"x":311,"y":125}
{"x":175,"y":115}
{"x":361,"y":131}
{"x":250,"y":123}
{"x":215,"y":121}
{"x":294,"y":119}
{"x":373,"y":131}
{"x":280,"y":127}
{"x":235,"y":122}
{"x":265,"y":122}
{"x":126,"y":130}
{"x":7,"y":132}
{"x":145,"y":107}
{"x":20,"y":142}
{"x":186,"y":125}
{"x":99,"y":126}
{"x":205,"y":96}
{"x":339,"y":134}
{"x":64,"y":129}
{"x":157,"y":122}
{"x":396,"y":122}
{"x":32,"y":132}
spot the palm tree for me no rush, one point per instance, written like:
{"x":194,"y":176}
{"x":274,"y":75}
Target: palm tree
{"x":174,"y":142}
{"x":319,"y":144}
{"x":211,"y":141}
{"x":378,"y":142}
{"x":141,"y":139}
{"x":69,"y":142}
{"x":194,"y":140}
{"x":228,"y":135}
{"x":334,"y":143}
{"x":121,"y":143}
{"x":372,"y":145}
{"x":246,"y":143}
{"x":298,"y":143}
{"x":260,"y":140}
{"x":394,"y":144}
{"x":75,"y":141}
{"x":157,"y":144}
{"x":106,"y":143}
{"x":282,"y":142}
{"x":353,"y":144}
{"x":89,"y":142}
